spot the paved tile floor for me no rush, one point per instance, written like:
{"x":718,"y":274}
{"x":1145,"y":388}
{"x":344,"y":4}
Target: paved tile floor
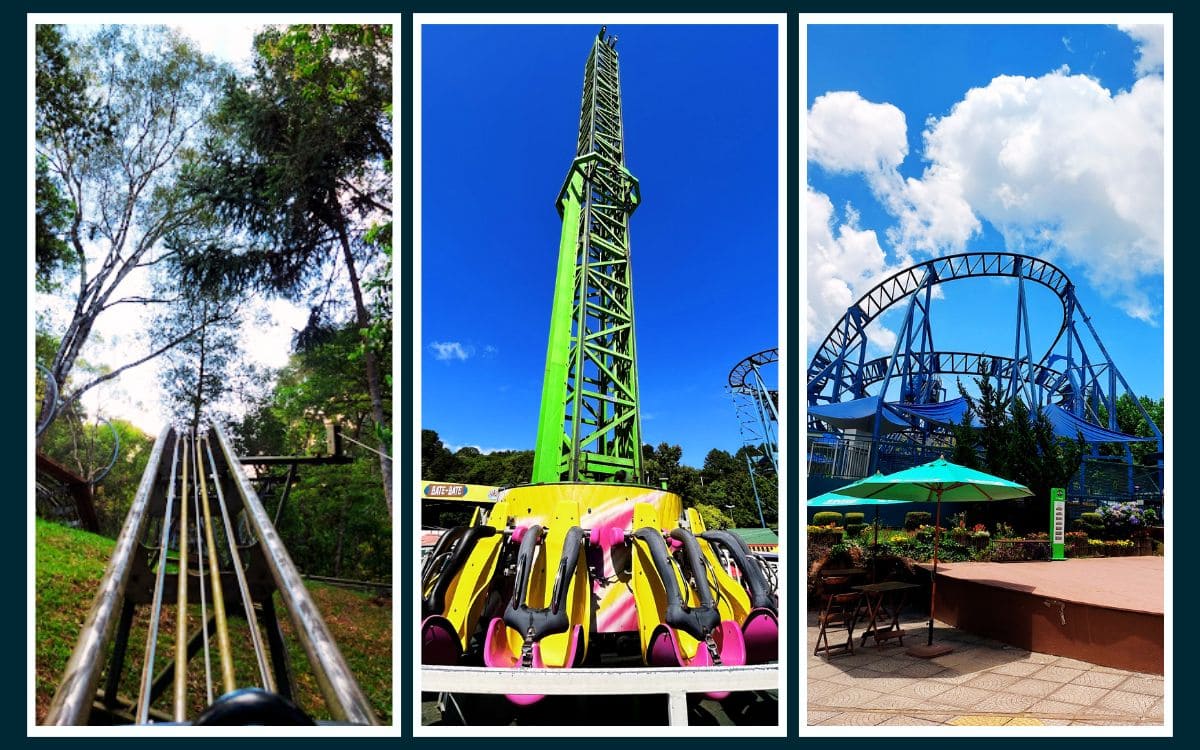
{"x":983,"y":682}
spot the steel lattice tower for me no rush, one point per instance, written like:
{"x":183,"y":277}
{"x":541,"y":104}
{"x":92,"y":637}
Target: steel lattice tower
{"x":589,"y":427}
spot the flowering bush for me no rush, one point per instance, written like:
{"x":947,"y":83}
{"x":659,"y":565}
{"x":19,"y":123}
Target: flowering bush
{"x":899,"y":539}
{"x":1004,"y":531}
{"x":925,"y":532}
{"x":846,"y":554}
{"x":1110,"y":547}
{"x":1016,"y":550}
{"x":1125,"y":519}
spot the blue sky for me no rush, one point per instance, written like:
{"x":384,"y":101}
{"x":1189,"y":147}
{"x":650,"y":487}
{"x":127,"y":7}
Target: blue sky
{"x":1047,"y":140}
{"x":500,"y":109}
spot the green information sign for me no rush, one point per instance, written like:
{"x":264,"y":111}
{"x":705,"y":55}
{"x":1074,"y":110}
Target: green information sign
{"x":1058,"y":523}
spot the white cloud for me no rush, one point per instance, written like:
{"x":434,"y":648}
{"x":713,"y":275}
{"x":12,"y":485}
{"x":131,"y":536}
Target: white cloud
{"x":843,"y":263}
{"x":1061,"y":167}
{"x":847,"y":133}
{"x":456,"y":448}
{"x":447,"y":351}
{"x":1151,"y":47}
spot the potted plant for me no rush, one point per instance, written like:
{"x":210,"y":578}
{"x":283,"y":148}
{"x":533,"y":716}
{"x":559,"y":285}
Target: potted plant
{"x":980,"y":538}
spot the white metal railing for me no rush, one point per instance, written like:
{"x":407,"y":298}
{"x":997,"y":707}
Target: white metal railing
{"x":676,"y":683}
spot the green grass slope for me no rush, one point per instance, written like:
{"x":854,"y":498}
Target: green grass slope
{"x":70,"y":564}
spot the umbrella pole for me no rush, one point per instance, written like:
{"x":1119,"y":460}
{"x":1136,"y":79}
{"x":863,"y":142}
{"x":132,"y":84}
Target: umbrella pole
{"x":928,"y":651}
{"x":933,"y":581}
{"x":875,"y":548}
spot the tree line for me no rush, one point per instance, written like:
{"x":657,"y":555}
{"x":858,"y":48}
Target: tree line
{"x":1010,"y":440}
{"x":722,"y":489}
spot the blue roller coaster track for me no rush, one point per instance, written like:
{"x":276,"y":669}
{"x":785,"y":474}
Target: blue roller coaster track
{"x":1075,"y":374}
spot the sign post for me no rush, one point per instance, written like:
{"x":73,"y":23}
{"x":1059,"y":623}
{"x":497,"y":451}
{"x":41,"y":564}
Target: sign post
{"x":1058,"y":523}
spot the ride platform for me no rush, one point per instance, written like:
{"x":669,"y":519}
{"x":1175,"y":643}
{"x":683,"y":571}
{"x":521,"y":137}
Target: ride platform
{"x":1104,"y":610}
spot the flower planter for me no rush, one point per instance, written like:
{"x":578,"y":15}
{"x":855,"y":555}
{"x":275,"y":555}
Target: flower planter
{"x":825,"y":538}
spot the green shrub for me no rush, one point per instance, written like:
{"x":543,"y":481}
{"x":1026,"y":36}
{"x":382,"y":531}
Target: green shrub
{"x":846,"y":555}
{"x":827,"y":518}
{"x":916,"y":518}
{"x":1019,"y":552}
{"x":854,"y":524}
{"x":1092,"y":523}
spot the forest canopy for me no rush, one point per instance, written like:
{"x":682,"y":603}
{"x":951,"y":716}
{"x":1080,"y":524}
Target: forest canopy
{"x":181,"y":202}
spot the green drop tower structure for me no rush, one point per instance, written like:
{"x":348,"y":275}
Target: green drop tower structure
{"x":589,"y":427}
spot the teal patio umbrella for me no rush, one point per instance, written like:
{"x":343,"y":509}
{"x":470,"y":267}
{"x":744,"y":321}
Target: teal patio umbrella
{"x":836,"y":499}
{"x":935,"y":482}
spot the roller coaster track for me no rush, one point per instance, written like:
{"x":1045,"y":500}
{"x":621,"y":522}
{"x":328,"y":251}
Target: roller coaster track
{"x":737,"y":376}
{"x":966,"y":363}
{"x":197,"y":534}
{"x":848,"y":332}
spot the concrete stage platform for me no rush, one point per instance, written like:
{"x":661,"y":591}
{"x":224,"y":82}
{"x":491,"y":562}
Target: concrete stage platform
{"x":1104,"y":610}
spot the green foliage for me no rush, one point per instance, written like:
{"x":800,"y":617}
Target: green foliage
{"x":336,"y":524}
{"x":336,"y":520}
{"x":52,"y":220}
{"x":437,"y":461}
{"x":302,"y":167}
{"x":317,"y":383}
{"x":85,"y":447}
{"x":1092,"y":523}
{"x":713,"y":517}
{"x":301,"y":174}
{"x":1018,"y":445}
{"x":854,"y":524}
{"x":916,"y":518}
{"x":846,"y":554}
{"x":1131,"y":422}
{"x":70,"y":563}
{"x":725,"y":483}
{"x":827,"y":518}
{"x":722,"y":484}
{"x":921,"y":549}
{"x":1018,"y":552}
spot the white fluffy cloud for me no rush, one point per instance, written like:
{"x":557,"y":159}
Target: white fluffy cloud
{"x":1059,"y":165}
{"x":448,"y":351}
{"x":847,"y":133}
{"x":843,"y":263}
{"x":1151,"y":47}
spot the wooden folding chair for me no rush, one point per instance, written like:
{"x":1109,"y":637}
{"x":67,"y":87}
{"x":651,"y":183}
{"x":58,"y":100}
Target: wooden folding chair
{"x":841,"y":610}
